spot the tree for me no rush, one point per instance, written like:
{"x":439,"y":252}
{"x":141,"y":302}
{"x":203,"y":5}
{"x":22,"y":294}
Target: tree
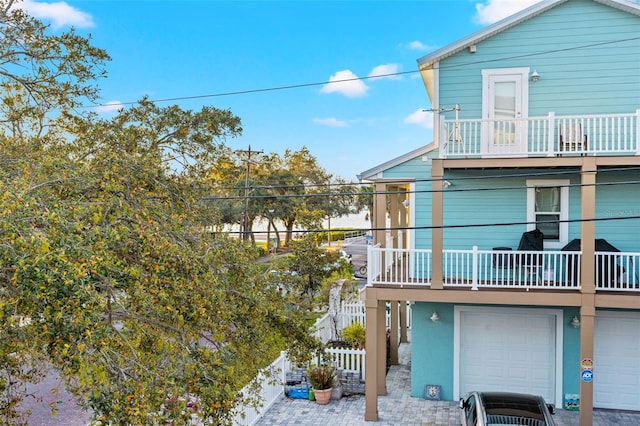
{"x":108,"y":271}
{"x":41,"y":72}
{"x":364,"y":201}
{"x":129,"y":296}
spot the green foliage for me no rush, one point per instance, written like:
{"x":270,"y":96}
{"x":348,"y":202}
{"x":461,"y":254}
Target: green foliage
{"x":321,"y":377}
{"x":354,"y":334}
{"x":111,"y":271}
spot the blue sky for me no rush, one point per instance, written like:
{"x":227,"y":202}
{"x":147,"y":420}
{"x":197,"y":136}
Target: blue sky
{"x":180,"y":49}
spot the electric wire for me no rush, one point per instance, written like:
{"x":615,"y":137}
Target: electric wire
{"x":456,"y":226}
{"x":569,"y":171}
{"x":421,"y":191}
{"x":303,"y":85}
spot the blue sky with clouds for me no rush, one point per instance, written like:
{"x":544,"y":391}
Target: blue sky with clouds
{"x":180,"y":49}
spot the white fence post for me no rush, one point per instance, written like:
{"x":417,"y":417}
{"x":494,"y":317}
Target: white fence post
{"x":474,"y":268}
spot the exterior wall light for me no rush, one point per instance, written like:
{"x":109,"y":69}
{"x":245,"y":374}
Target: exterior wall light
{"x":575,"y":322}
{"x":434,"y":317}
{"x":535,"y":76}
{"x":446,"y":184}
{"x":406,"y":203}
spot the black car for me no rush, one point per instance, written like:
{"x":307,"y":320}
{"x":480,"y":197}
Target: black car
{"x":505,"y":408}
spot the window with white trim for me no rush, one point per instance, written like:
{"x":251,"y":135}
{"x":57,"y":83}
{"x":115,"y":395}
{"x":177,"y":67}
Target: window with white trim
{"x":548,"y":210}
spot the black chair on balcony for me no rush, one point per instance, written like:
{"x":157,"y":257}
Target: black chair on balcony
{"x":531,"y":241}
{"x":502,"y":260}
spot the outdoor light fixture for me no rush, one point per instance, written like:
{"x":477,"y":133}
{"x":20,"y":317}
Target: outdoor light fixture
{"x":434,"y":317}
{"x":406,"y":203}
{"x":575,"y":322}
{"x":446,"y":184}
{"x":535,"y":76}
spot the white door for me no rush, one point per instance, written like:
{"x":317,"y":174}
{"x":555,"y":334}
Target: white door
{"x":616,"y":363}
{"x":511,"y":350}
{"x":505,"y":105}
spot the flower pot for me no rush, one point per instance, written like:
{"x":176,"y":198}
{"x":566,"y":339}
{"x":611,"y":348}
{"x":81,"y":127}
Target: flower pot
{"x":322,"y":395}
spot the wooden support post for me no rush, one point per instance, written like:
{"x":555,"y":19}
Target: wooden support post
{"x":371,"y":360}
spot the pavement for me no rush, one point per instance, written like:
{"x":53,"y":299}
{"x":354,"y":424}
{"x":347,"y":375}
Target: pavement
{"x":399,"y":408}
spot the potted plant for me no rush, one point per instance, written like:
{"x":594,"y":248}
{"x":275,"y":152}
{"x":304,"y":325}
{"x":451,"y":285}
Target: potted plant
{"x":321,"y":379}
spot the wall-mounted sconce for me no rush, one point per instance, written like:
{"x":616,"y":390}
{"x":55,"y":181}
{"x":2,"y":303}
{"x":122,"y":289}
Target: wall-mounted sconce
{"x":446,"y":184}
{"x":535,"y":76}
{"x":406,"y":203}
{"x":575,"y":322}
{"x":434,"y":317}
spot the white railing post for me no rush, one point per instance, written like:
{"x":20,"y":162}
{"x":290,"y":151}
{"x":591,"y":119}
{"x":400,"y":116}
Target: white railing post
{"x":369,"y":265}
{"x":443,"y":137}
{"x":638,"y":132}
{"x":474,"y":268}
{"x":551,"y":135}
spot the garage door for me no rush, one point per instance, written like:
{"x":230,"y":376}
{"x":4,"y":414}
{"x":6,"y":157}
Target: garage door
{"x":616,"y":380}
{"x":508,"y":350}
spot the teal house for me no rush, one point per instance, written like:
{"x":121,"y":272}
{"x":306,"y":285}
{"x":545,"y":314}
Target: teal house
{"x":515,"y":234}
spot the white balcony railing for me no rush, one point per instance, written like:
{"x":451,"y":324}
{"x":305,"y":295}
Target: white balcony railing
{"x":610,"y":134}
{"x":618,"y":271}
{"x":503,"y":269}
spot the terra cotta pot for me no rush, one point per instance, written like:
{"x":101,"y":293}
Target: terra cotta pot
{"x":322,"y":395}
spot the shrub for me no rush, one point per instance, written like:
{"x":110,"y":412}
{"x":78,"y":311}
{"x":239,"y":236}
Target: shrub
{"x":354,"y":334}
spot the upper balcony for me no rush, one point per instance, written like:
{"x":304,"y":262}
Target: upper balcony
{"x":548,"y":136}
{"x":501,"y":269}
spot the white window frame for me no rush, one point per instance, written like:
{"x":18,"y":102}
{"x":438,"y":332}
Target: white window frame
{"x":532,"y":184}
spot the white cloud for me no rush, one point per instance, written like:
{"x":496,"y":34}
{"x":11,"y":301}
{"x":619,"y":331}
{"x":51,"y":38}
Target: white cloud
{"x":110,"y":106}
{"x":346,"y":83}
{"x":494,"y":10}
{"x":330,"y":122}
{"x":418,"y":45}
{"x":59,"y":13}
{"x":421,"y":118}
{"x":386,"y":71}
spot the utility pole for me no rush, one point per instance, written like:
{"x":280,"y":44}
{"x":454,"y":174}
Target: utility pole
{"x":245,"y":218}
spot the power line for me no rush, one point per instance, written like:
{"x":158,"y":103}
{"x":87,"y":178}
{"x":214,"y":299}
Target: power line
{"x":569,"y":171}
{"x":422,"y":191}
{"x":462,"y":226}
{"x":302,"y":85}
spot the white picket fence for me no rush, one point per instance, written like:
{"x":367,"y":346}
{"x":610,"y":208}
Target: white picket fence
{"x":273,"y":378}
{"x":271,"y":382}
{"x":354,"y":312}
{"x":348,"y":359}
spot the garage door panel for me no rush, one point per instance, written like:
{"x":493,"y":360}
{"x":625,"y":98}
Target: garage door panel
{"x":508,"y":351}
{"x":616,"y":381}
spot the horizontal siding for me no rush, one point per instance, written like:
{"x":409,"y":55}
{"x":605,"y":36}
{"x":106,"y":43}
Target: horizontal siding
{"x":468,"y":202}
{"x":574,"y":78}
{"x":616,"y":204}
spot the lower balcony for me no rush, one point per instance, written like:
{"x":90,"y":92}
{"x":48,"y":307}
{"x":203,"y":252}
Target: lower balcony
{"x":501,"y":269}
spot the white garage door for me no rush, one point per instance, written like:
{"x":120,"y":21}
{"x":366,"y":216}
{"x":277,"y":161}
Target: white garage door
{"x":616,"y":369}
{"x":508,"y":350}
